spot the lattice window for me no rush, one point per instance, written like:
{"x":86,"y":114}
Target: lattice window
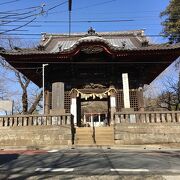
{"x":119,"y":100}
{"x":67,"y":102}
{"x":133,"y":100}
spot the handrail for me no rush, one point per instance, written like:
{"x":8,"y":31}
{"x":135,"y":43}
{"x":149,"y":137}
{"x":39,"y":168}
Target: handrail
{"x":36,"y":120}
{"x":147,"y":117}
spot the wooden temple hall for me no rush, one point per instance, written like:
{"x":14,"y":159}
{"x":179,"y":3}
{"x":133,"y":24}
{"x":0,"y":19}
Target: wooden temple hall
{"x":93,"y":75}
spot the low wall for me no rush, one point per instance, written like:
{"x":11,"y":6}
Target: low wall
{"x":35,"y":136}
{"x":147,"y":133}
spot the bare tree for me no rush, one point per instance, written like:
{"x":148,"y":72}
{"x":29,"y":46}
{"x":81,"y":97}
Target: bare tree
{"x":3,"y":91}
{"x":170,"y":97}
{"x":29,"y":101}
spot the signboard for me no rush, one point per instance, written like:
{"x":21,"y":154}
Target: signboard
{"x":6,"y":106}
{"x":126,"y":90}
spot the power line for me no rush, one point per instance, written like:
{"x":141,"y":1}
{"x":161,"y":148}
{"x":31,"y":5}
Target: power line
{"x":83,"y":21}
{"x":96,"y":4}
{"x":18,"y":27}
{"x":18,"y":14}
{"x":14,"y":25}
{"x":57,"y":6}
{"x":39,"y":34}
{"x":10,"y":11}
{"x":93,"y":5}
{"x":14,"y":30}
{"x":19,"y":19}
{"x":9,"y":2}
{"x":103,"y":20}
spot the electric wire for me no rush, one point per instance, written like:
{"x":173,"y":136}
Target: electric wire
{"x":14,"y":16}
{"x":8,"y":2}
{"x":15,"y":10}
{"x":18,"y":27}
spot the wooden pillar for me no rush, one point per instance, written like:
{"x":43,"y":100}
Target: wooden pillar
{"x":85,"y":122}
{"x":92,"y":123}
{"x":78,"y":110}
{"x":58,"y":97}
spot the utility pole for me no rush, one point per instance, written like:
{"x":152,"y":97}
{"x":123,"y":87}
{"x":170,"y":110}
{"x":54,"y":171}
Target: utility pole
{"x":70,"y":10}
{"x":43,"y":66}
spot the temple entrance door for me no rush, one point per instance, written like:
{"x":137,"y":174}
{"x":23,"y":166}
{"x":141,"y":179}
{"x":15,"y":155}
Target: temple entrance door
{"x":95,"y":119}
{"x":93,"y":107}
{"x":94,"y":113}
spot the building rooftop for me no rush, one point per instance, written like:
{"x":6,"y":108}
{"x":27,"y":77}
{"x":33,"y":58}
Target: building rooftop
{"x":115,"y":41}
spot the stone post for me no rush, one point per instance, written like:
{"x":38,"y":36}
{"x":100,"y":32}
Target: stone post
{"x":92,"y":123}
{"x":112,"y":107}
{"x":58,"y":98}
{"x":126,"y":96}
{"x":99,"y":119}
{"x":126,"y":90}
{"x":73,"y":108}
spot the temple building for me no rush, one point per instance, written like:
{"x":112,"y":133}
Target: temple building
{"x":93,"y":91}
{"x":108,"y":69}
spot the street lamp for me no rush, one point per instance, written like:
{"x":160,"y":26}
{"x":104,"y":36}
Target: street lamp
{"x":43,"y":66}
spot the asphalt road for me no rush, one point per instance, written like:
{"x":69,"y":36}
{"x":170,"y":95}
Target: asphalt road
{"x":90,"y":164}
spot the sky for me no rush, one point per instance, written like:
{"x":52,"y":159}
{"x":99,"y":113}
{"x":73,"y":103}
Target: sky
{"x":51,"y":16}
{"x":118,"y":15}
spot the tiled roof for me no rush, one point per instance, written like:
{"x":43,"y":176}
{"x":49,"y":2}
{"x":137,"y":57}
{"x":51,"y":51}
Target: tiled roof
{"x":56,"y":42}
{"x":115,"y":41}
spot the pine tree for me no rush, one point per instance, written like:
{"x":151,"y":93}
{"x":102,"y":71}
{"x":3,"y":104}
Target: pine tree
{"x":171,"y":23}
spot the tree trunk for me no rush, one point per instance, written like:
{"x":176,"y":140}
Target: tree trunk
{"x":34,"y":105}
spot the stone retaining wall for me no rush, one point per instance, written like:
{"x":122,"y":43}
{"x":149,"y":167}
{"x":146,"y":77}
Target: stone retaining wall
{"x":147,"y":133}
{"x":35,"y":136}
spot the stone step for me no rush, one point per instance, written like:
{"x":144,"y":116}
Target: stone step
{"x":96,"y":129}
{"x":96,"y":132}
{"x":83,"y":132}
{"x":96,"y":142}
{"x":84,"y":142}
{"x":103,"y":136}
{"x":104,"y":143}
{"x":104,"y":133}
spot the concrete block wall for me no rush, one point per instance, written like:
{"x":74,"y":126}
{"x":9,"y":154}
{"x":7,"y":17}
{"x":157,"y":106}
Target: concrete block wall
{"x":147,"y":133}
{"x":35,"y":136}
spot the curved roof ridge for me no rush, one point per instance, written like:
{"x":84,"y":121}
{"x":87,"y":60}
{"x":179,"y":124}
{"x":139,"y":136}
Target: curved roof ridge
{"x":128,"y":32}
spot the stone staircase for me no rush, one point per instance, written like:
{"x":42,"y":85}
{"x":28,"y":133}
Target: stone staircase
{"x":94,"y":136}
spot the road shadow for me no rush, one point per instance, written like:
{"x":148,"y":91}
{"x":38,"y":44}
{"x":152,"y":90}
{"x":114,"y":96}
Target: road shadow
{"x":6,"y":158}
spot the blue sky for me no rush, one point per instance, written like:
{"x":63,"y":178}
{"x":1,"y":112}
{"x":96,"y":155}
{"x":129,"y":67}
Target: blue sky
{"x":144,"y":14}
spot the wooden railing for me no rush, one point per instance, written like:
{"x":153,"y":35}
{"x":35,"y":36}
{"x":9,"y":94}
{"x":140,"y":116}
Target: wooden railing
{"x":147,"y":117}
{"x":35,"y":120}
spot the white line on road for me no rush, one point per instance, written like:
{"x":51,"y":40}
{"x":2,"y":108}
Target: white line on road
{"x":52,"y":151}
{"x":43,"y":169}
{"x":54,"y":169}
{"x":130,"y":170}
{"x":62,"y":170}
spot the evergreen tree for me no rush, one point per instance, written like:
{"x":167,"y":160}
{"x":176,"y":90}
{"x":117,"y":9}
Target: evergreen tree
{"x":171,"y":23}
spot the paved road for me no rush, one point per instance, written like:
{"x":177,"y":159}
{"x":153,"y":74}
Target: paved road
{"x":90,"y":163}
